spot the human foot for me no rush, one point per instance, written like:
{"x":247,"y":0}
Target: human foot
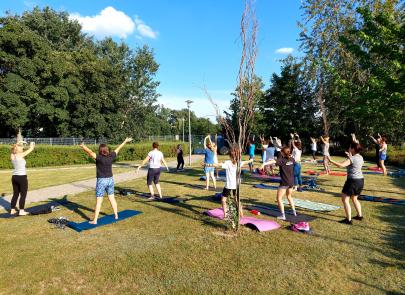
{"x":13,"y":211}
{"x":93,"y":221}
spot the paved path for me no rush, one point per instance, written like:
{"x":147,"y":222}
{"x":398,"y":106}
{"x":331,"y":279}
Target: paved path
{"x":77,"y":187}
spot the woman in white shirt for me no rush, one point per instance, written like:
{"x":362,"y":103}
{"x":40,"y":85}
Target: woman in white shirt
{"x":155,"y":158}
{"x":296,"y":154}
{"x":313,"y":147}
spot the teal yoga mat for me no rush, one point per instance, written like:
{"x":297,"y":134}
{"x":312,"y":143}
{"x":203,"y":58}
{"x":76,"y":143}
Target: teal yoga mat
{"x":108,"y":219}
{"x":314,"y":206}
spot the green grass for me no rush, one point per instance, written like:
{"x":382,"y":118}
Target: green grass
{"x":174,"y":249}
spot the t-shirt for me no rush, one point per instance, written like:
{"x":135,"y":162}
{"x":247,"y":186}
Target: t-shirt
{"x":326,"y":149}
{"x":296,"y":154}
{"x":209,"y":156}
{"x":270,"y":153}
{"x":313,"y":146}
{"x":155,"y":158}
{"x":286,"y":171}
{"x":231,"y":170}
{"x":354,"y":169}
{"x":252,"y":148}
{"x":179,"y":153}
{"x":104,"y":165}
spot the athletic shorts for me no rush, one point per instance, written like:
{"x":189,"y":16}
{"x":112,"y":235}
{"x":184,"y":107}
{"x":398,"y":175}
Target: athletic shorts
{"x":353,"y":187}
{"x":104,"y":185}
{"x":153,"y":176}
{"x":208,"y":169}
{"x":383,"y":157}
{"x":227,"y":192}
{"x":285,"y":187}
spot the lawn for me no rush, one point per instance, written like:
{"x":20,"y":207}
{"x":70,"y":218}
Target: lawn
{"x":175,"y":249}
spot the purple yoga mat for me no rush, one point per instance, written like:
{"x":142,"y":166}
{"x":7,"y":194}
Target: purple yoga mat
{"x":259,"y":224}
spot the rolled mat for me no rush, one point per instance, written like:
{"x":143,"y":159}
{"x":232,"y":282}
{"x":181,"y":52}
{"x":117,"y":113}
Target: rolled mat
{"x":314,"y":206}
{"x":251,"y":222}
{"x":275,"y":212}
{"x":108,"y":219}
{"x":393,"y":201}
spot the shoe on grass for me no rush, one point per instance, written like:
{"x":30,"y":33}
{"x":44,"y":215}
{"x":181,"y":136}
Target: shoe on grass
{"x":22,"y":212}
{"x":359,"y":218}
{"x":346,"y":221}
{"x":13,"y":211}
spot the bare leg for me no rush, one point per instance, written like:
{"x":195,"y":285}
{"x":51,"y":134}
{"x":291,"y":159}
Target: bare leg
{"x":280,"y":194}
{"x":290,"y":199}
{"x":207,"y":181}
{"x":357,"y":206}
{"x":382,"y":164}
{"x":224,"y":207}
{"x":114,"y":206}
{"x":213,"y":179}
{"x":99,"y":201}
{"x":326,"y":165}
{"x":152,"y":193}
{"x":159,"y":190}
{"x":346,"y":205}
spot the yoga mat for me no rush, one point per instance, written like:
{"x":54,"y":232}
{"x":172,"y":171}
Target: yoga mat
{"x":314,"y":206}
{"x":374,"y":168}
{"x":170,"y":200}
{"x":265,"y":186}
{"x":332,"y":173}
{"x":382,"y":200}
{"x":268,"y":178}
{"x":217,"y":196}
{"x":251,"y":222}
{"x":108,"y":219}
{"x":220,"y":178}
{"x":275,"y":212}
{"x":372,"y":172}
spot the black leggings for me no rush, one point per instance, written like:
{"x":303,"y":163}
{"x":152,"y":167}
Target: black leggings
{"x":314,"y":154}
{"x":180,"y":162}
{"x":20,"y":187}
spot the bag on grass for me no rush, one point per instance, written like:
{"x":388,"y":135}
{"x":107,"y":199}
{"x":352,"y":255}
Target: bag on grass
{"x":302,"y":227}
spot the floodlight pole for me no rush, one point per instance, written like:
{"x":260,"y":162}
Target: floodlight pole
{"x":189,"y":102}
{"x":183,"y":128}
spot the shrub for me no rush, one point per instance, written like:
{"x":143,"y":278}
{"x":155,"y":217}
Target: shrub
{"x":46,"y":155}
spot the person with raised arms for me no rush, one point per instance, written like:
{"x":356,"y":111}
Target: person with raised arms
{"x":270,"y":151}
{"x":383,"y":154}
{"x":296,"y":154}
{"x":251,"y":152}
{"x":230,"y":167}
{"x":285,"y":161}
{"x":354,"y":183}
{"x":377,"y":148}
{"x":155,"y":158}
{"x":19,"y":178}
{"x":105,"y":180}
{"x":209,"y":158}
{"x":313,"y":147}
{"x":325,"y":152}
{"x":264,"y":145}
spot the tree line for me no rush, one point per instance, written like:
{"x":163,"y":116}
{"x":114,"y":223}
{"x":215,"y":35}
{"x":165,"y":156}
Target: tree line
{"x":350,"y":79}
{"x":56,"y":81}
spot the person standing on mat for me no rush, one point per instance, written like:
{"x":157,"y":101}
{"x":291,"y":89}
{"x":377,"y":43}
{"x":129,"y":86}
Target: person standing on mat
{"x":313,"y":147}
{"x":377,"y":149}
{"x":209,"y":159}
{"x":270,"y":151}
{"x":296,"y":154}
{"x":264,"y":143}
{"x":19,"y":178}
{"x":180,"y":158}
{"x":155,"y":159}
{"x":105,"y":180}
{"x":286,"y":165}
{"x":230,"y":167}
{"x":354,"y":183}
{"x":325,"y":151}
{"x":251,"y":152}
{"x":383,"y":154}
{"x":277,"y":144}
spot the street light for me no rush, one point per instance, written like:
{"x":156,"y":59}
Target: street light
{"x":189,"y":102}
{"x":183,"y":128}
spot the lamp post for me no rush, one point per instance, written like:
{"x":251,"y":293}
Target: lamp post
{"x":189,"y":102}
{"x":183,"y":128}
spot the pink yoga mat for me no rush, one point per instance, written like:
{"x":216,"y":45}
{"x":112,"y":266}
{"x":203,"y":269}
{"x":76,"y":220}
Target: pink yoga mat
{"x":259,"y":224}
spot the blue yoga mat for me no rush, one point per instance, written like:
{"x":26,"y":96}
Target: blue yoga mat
{"x":265,"y":186}
{"x":103,"y":220}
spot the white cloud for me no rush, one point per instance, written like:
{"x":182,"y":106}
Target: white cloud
{"x":284,"y":50}
{"x":113,"y":23}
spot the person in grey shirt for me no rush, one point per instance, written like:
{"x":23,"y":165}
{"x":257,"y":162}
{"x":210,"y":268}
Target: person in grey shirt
{"x":354,"y":183}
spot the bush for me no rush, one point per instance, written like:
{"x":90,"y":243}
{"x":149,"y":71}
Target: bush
{"x":46,"y":155}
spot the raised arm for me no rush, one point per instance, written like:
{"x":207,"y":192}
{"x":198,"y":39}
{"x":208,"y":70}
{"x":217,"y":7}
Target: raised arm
{"x":277,"y":143}
{"x":146,"y":160}
{"x":298,"y":137}
{"x":117,"y":150}
{"x":354,"y":139}
{"x":27,"y":152}
{"x":88,"y":151}
{"x":373,"y":139}
{"x":322,"y":139}
{"x":205,"y":141}
{"x":343,"y":164}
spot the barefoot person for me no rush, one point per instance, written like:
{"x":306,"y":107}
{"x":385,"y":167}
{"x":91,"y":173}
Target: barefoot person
{"x":325,"y":151}
{"x":105,"y":180}
{"x":155,"y":159}
{"x":19,"y":179}
{"x":286,"y":164}
{"x":354,"y":183}
{"x":230,"y":167}
{"x":383,"y":154}
{"x":209,"y":159}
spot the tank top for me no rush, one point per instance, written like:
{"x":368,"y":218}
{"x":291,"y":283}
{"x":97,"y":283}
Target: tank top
{"x":19,"y":166}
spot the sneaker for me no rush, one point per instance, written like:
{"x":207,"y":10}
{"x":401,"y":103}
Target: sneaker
{"x":13,"y":211}
{"x":281,"y":217}
{"x":360,"y":218}
{"x":22,"y":212}
{"x":346,"y":221}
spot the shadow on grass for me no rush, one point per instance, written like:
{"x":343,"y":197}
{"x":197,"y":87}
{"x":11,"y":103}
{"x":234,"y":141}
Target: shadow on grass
{"x":377,"y":287}
{"x":75,"y":207}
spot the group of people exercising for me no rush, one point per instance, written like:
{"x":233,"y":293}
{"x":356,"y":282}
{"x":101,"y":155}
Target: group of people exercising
{"x":287,"y":157}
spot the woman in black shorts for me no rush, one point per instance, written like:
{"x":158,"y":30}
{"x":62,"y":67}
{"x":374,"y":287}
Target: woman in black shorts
{"x":354,"y":183}
{"x":155,"y":158}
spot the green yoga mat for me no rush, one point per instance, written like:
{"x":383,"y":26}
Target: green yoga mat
{"x":314,"y":206}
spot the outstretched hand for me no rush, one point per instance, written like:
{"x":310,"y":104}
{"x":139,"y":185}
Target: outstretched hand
{"x":128,"y":139}
{"x":81,"y":145}
{"x":32,"y":144}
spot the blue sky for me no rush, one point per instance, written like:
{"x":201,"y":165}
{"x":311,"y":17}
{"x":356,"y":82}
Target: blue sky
{"x":196,"y":42}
